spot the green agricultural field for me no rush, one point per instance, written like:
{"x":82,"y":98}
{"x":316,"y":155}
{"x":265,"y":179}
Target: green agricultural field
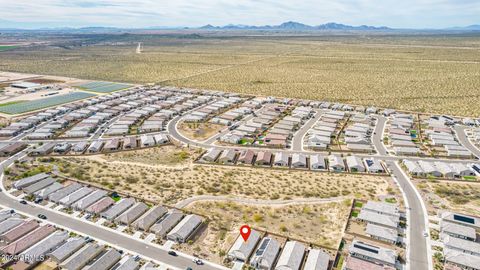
{"x":7,"y":47}
{"x":431,"y":73}
{"x":32,"y":105}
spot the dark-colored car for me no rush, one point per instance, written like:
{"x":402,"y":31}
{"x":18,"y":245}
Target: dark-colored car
{"x":173,"y":253}
{"x":42,"y":216}
{"x":23,"y":202}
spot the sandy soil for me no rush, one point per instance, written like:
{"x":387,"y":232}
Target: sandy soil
{"x":320,"y":224}
{"x":153,"y":175}
{"x":199,"y":131}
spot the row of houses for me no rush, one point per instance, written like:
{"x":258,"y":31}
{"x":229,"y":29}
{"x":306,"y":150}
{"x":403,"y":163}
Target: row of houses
{"x":268,"y":253}
{"x":441,"y":135}
{"x":320,"y":135}
{"x":459,"y":235}
{"x":98,"y":146}
{"x":367,"y":256}
{"x":357,"y":135}
{"x":172,"y":224}
{"x":402,"y":136}
{"x":333,"y":163}
{"x":32,"y":243}
{"x":451,"y":170}
{"x":382,"y":221}
{"x":261,"y":121}
{"x":211,"y":109}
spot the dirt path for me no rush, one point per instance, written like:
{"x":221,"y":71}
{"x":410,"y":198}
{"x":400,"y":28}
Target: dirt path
{"x":276,"y":203}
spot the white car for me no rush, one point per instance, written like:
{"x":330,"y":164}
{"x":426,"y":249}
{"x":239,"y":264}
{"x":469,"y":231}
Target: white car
{"x":197,"y":261}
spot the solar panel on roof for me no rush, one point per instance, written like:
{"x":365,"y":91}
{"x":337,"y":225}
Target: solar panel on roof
{"x":366,"y":248}
{"x":262,"y":248}
{"x":369,"y":162}
{"x":464,"y":219}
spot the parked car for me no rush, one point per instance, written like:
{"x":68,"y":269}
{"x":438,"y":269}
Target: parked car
{"x":173,"y":253}
{"x":23,"y":202}
{"x":42,"y":216}
{"x":38,"y":200}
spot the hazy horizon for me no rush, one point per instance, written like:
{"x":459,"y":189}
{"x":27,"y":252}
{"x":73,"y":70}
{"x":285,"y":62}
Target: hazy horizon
{"x":422,"y":14}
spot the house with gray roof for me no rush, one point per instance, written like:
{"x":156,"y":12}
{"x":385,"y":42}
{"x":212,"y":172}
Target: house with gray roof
{"x":79,"y":259}
{"x":462,"y":219}
{"x":47,"y":245}
{"x":4,"y":215}
{"x":381,"y":233}
{"x":75,"y":196}
{"x":317,"y":260}
{"x":9,"y":224}
{"x":90,"y":199}
{"x":117,"y":209}
{"x":185,"y":228}
{"x":371,"y":253}
{"x":44,"y":149}
{"x":132,"y":213}
{"x":129,"y":264}
{"x":317,"y":162}
{"x":335,"y":163}
{"x":266,"y":254}
{"x":299,"y":160}
{"x":280,"y":159}
{"x":460,"y":259}
{"x":291,"y":257}
{"x":24,"y":182}
{"x":66,"y":250}
{"x":106,"y":261}
{"x":59,"y":194}
{"x":383,"y":208}
{"x":355,"y":164}
{"x":39,"y":185}
{"x":379,"y":219}
{"x":457,"y":230}
{"x":211,"y":155}
{"x":241,"y":250}
{"x":462,"y":245}
{"x":149,"y":218}
{"x":171,"y":219}
{"x":43,"y":193}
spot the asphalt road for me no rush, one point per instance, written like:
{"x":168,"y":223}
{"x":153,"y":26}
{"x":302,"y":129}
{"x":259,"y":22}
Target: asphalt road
{"x":462,"y":137}
{"x":99,"y":233}
{"x":173,"y":132}
{"x":377,"y":137}
{"x":297,"y":141}
{"x":418,"y":255}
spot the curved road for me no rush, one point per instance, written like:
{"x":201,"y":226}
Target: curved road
{"x":136,"y":246}
{"x":463,"y":138}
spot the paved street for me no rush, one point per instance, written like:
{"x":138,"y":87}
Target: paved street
{"x":462,"y":137}
{"x":98,"y":232}
{"x":418,"y":255}
{"x":297,"y":141}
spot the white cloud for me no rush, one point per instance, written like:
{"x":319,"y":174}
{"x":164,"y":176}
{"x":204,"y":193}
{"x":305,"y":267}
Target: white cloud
{"x":141,"y":13}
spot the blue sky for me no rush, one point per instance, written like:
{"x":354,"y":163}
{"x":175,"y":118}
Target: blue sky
{"x":144,"y":13}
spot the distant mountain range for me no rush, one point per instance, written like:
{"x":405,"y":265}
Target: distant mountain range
{"x":294,"y":26}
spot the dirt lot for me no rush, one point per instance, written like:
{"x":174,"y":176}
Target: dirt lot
{"x":430,"y":73}
{"x":320,"y":224}
{"x":463,"y":197}
{"x":153,"y":175}
{"x":199,"y":131}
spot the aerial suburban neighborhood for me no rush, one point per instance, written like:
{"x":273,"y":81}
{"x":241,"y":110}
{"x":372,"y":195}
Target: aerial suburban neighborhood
{"x":239,"y":135}
{"x":63,"y":218}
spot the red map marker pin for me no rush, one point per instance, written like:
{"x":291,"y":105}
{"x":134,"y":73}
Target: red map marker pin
{"x":245,"y":232}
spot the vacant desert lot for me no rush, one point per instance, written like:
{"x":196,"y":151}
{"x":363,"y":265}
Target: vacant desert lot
{"x":168,"y":182}
{"x":457,"y":196}
{"x":320,"y":224}
{"x":431,"y":73}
